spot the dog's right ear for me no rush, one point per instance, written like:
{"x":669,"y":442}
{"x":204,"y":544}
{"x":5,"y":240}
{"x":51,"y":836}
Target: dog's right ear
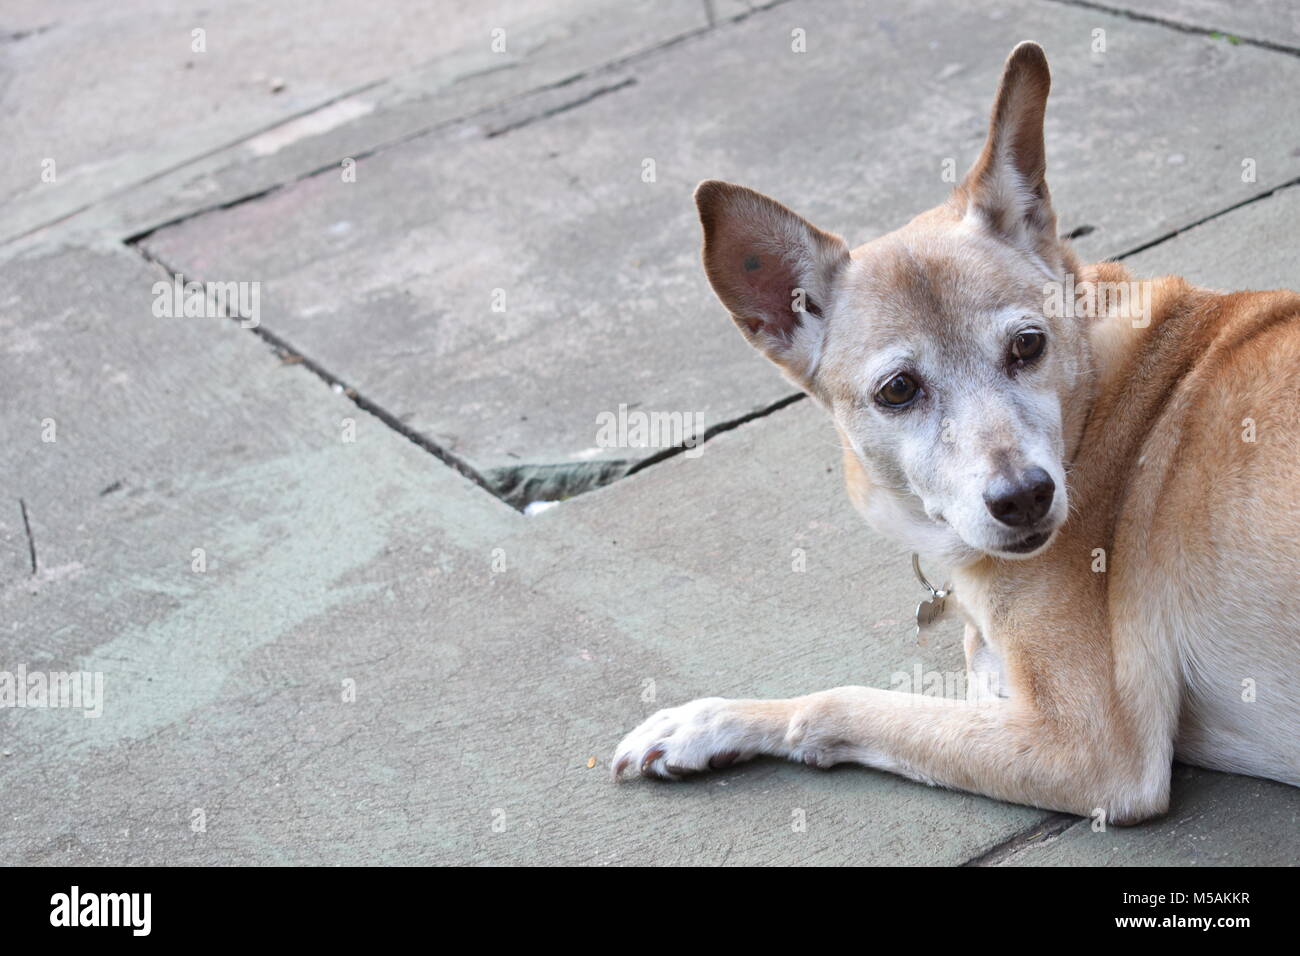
{"x":1006,"y":189}
{"x":774,"y":271}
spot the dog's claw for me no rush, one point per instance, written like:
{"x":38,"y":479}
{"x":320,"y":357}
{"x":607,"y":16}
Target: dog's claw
{"x":648,"y":761}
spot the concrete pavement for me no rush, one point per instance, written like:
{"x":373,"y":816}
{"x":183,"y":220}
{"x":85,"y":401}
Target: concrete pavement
{"x":324,"y":637}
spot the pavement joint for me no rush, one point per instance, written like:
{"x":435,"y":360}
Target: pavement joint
{"x":562,"y":108}
{"x":27,"y":527}
{"x":1250,"y":200}
{"x":523,"y":484}
{"x":718,"y":429}
{"x":571,"y":480}
{"x":1040,"y":834}
{"x":190,"y":161}
{"x":135,"y":238}
{"x":518,"y":486}
{"x":514,"y":486}
{"x":19,"y":35}
{"x":386,"y":144}
{"x":1176,"y":25}
{"x":287,"y":352}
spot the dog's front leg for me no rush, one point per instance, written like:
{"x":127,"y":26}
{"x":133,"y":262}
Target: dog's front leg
{"x":1001,"y":748}
{"x":820,"y":730}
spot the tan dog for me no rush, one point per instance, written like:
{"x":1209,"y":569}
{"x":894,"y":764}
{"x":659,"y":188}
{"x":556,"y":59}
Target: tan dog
{"x":1114,"y":488}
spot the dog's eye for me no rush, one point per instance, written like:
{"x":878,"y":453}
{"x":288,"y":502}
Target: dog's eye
{"x":898,"y":391}
{"x":1027,"y":346}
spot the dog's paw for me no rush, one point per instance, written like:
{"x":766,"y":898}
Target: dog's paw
{"x":681,"y":740}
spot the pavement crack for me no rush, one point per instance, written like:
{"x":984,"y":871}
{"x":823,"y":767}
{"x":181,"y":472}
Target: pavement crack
{"x":357,"y":155}
{"x":16,"y":35}
{"x":521,"y":485}
{"x":1041,"y":833}
{"x":486,"y":71}
{"x":190,"y":161}
{"x":717,"y":429}
{"x":1179,"y":25}
{"x":1204,"y":219}
{"x":289,"y":355}
{"x":515,"y":485}
{"x":31,"y":539}
{"x":562,"y":108}
{"x":498,"y":106}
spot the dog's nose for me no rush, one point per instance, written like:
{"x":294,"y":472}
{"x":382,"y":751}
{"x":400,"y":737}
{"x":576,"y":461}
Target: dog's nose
{"x":1024,"y":502}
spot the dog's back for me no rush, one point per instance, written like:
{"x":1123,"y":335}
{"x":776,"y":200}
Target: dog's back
{"x":1207,"y":540}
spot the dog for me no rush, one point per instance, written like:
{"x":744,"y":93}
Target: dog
{"x":1114,"y":490}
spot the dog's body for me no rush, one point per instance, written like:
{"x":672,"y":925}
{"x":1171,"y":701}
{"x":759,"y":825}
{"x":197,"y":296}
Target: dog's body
{"x":1158,"y":620}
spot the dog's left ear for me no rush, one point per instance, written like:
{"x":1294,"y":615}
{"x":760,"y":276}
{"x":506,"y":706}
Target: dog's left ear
{"x":1007,"y":186}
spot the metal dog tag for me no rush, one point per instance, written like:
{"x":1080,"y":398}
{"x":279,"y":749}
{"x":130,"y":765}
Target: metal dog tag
{"x":932,"y":608}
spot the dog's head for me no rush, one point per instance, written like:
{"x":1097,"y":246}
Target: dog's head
{"x":954,"y":392}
